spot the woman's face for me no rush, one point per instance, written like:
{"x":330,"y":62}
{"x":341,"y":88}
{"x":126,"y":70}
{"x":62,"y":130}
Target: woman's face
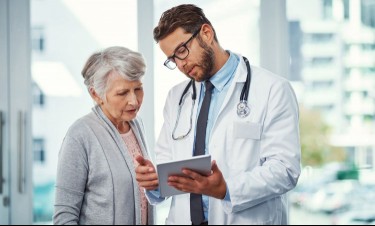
{"x":124,"y":99}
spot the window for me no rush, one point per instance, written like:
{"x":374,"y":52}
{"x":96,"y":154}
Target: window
{"x":39,"y":150}
{"x":295,"y":42}
{"x":327,"y":9}
{"x":319,"y":37}
{"x":346,"y":4}
{"x":347,"y":95}
{"x":324,"y":108}
{"x":368,"y":47}
{"x":319,"y":61}
{"x":320,"y":85}
{"x":369,"y":118}
{"x":347,"y":71}
{"x":365,"y":94}
{"x":368,"y":12}
{"x":38,"y":96}
{"x":37,"y":39}
{"x":346,"y":47}
{"x":350,"y":152}
{"x":370,"y":157}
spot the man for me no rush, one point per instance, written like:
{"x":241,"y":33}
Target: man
{"x":245,"y":117}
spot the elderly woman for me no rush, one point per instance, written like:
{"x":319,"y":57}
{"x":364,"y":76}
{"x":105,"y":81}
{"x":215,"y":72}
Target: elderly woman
{"x":96,"y":181}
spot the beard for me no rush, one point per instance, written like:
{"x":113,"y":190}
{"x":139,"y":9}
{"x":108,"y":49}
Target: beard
{"x":207,"y":61}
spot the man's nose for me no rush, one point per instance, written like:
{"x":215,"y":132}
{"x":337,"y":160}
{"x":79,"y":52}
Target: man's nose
{"x":180,"y":63}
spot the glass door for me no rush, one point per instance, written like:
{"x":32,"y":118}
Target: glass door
{"x":4,"y":191}
{"x":15,"y":114}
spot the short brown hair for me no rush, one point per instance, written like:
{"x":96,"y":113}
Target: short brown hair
{"x":187,"y":16}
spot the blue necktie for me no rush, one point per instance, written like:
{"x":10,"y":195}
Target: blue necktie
{"x":196,"y":205}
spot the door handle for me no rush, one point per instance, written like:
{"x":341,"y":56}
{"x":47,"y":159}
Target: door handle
{"x":21,"y":152}
{"x":1,"y":153}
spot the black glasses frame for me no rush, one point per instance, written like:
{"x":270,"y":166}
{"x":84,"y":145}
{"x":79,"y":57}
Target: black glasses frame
{"x":171,"y":59}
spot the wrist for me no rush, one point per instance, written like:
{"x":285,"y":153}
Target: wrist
{"x":222,"y":191}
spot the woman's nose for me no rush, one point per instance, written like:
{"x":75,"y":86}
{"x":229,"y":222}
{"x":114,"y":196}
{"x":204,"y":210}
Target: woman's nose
{"x":133,"y":99}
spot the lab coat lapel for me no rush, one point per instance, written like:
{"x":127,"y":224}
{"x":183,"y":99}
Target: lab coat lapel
{"x":239,"y":77}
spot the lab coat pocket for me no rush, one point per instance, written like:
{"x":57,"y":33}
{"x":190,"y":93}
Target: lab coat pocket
{"x":247,"y":130}
{"x":243,"y":145}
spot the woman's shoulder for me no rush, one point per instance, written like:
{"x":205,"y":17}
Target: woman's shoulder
{"x":81,"y":125}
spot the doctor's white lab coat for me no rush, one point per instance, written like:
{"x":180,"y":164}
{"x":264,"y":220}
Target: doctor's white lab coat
{"x":259,"y":155}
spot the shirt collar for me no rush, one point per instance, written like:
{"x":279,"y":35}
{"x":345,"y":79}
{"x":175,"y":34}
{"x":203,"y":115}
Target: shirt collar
{"x":224,"y":75}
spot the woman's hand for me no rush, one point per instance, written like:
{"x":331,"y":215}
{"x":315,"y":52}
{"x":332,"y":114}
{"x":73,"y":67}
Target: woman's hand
{"x":146,"y":174}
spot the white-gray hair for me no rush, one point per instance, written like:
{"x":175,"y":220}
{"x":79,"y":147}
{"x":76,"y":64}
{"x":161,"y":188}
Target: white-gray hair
{"x":129,"y":64}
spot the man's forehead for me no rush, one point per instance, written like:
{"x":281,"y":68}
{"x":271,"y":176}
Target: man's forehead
{"x":172,"y":41}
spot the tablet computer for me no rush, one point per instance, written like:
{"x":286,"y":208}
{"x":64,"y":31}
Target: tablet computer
{"x":200,"y":164}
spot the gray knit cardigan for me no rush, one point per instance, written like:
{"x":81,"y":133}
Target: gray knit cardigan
{"x":96,"y":175}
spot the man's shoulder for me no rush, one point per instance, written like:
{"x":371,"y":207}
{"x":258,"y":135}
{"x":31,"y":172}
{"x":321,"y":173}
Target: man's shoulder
{"x":267,"y":76}
{"x":181,"y":85}
{"x":178,"y":88}
{"x":267,"y":80}
{"x":260,"y":74}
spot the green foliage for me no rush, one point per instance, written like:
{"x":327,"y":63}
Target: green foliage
{"x":350,"y":173}
{"x":315,"y":146}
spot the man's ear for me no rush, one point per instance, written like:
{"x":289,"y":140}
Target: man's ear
{"x":207,"y":33}
{"x":95,"y":96}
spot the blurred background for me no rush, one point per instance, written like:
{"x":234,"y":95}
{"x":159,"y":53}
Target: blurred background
{"x":325,"y":48}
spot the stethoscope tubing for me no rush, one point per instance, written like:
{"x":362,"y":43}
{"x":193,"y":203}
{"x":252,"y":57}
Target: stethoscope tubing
{"x":245,"y":90}
{"x":244,"y":93}
{"x":243,"y":100}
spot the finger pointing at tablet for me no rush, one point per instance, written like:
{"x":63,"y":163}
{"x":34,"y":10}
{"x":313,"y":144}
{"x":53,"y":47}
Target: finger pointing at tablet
{"x":145,"y":174}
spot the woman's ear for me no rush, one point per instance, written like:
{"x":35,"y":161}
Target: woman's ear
{"x":95,"y":96}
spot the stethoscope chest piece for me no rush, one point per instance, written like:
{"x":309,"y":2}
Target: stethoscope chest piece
{"x":243,"y":109}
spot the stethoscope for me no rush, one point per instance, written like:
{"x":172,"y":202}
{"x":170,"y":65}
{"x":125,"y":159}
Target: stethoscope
{"x":243,"y":109}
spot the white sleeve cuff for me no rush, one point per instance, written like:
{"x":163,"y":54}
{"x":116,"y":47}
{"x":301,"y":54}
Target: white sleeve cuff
{"x":153,"y":197}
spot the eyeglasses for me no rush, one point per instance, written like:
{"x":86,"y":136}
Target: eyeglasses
{"x":181,"y":53}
